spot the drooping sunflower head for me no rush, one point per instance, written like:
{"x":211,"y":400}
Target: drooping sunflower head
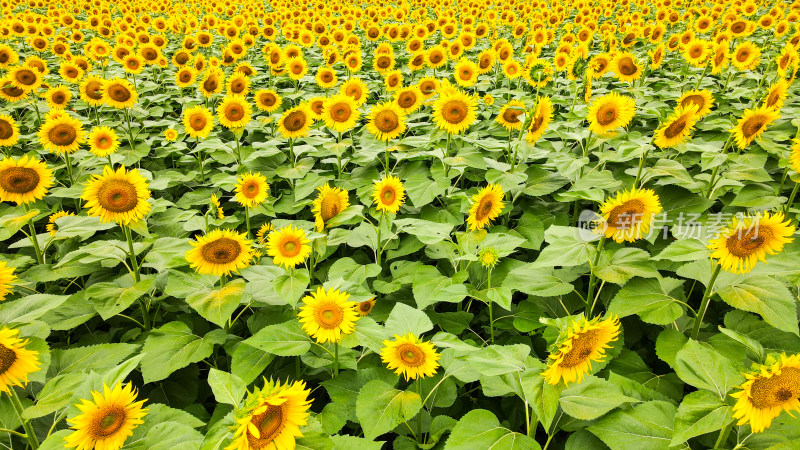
{"x":316,"y":105}
{"x":365,"y":307}
{"x":16,"y":361}
{"x":386,"y":121}
{"x":454,"y":111}
{"x":752,"y":124}
{"x":541,"y":119}
{"x":487,"y":204}
{"x":610,"y":112}
{"x":64,"y":134}
{"x":9,"y":131}
{"x":103,"y":141}
{"x":10,"y":92}
{"x":251,"y":189}
{"x":52,"y":226}
{"x":329,"y":203}
{"x":119,"y":93}
{"x":703,"y":99}
{"x":776,"y":94}
{"x":389,"y":194}
{"x":748,"y":240}
{"x":327,"y":315}
{"x":295,"y":122}
{"x":586,"y":341}
{"x":677,"y":127}
{"x":767,"y":392}
{"x":198,"y":121}
{"x":24,"y":180}
{"x":288,"y":246}
{"x":220,"y":252}
{"x":263,"y":232}
{"x":629,"y":215}
{"x":410,"y":356}
{"x":340,"y":113}
{"x":271,"y":417}
{"x":7,"y":277}
{"x":267,"y":100}
{"x":234,"y":111}
{"x":509,"y":115}
{"x":107,"y":420}
{"x":117,"y":196}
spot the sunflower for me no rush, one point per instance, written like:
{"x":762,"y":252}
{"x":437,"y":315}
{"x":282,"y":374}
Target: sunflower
{"x":7,"y":277}
{"x":389,"y":194}
{"x":696,"y":52}
{"x":251,"y":189}
{"x":170,"y":134}
{"x":238,"y":84}
{"x":62,"y":135}
{"x":185,"y":77}
{"x":393,"y":80}
{"x":465,"y":72}
{"x":52,"y":227}
{"x":198,"y":121}
{"x":410,"y":356}
{"x":103,"y":141}
{"x":340,"y":113}
{"x":16,"y":362}
{"x":327,"y":315}
{"x":117,"y":196}
{"x":794,"y":157}
{"x":703,"y":99}
{"x":234,"y":111}
{"x":108,"y":420}
{"x":271,"y":417}
{"x":295,"y":122}
{"x":720,"y":57}
{"x":409,"y":98}
{"x":9,"y":92}
{"x":656,"y":56}
{"x":509,"y":115}
{"x":427,"y":86}
{"x":267,"y":100}
{"x":776,"y":94}
{"x":297,"y":68}
{"x":610,"y":112}
{"x":541,"y":119}
{"x":328,"y":204}
{"x":58,"y":97}
{"x":262,"y":233}
{"x":288,"y":246}
{"x":625,"y":66}
{"x":326,"y":77}
{"x":488,"y":257}
{"x":488,"y":100}
{"x":355,"y":89}
{"x":768,"y":391}
{"x":9,"y":131}
{"x":24,"y":180}
{"x":752,"y":124}
{"x":220,"y":252}
{"x":25,"y":78}
{"x":365,"y":307}
{"x":386,"y":121}
{"x":487,"y":204}
{"x":133,"y":64}
{"x":748,"y":240}
{"x":628,"y":216}
{"x":677,"y":127}
{"x":212,"y":82}
{"x":91,"y":90}
{"x":454,"y":111}
{"x":586,"y":341}
{"x":746,"y":56}
{"x":512,"y":69}
{"x":119,"y":93}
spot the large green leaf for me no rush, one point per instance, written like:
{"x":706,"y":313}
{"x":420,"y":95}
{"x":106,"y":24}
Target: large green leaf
{"x":647,"y":426}
{"x":765,"y":296}
{"x":480,"y":428}
{"x":174,"y":346}
{"x":700,"y":412}
{"x":217,"y":305}
{"x":655,"y":300}
{"x":703,"y":367}
{"x":285,"y":339}
{"x":380,"y":407}
{"x":592,"y":398}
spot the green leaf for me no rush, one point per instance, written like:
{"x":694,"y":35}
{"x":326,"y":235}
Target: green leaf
{"x":684,"y":250}
{"x":655,"y":300}
{"x":248,"y":362}
{"x":426,"y":231}
{"x":619,"y":266}
{"x":284,"y":339}
{"x":99,"y":358}
{"x":480,"y":429}
{"x":534,"y":280}
{"x":227,"y":388}
{"x":703,"y":367}
{"x":172,"y":436}
{"x":111,"y":298}
{"x":380,"y":407}
{"x":567,"y":248}
{"x":368,"y":334}
{"x":668,"y":344}
{"x":80,"y":226}
{"x":217,"y":305}
{"x":167,"y":253}
{"x":765,"y":296}
{"x":29,"y":308}
{"x":700,"y":412}
{"x":291,"y":286}
{"x":174,"y":346}
{"x":430,"y":287}
{"x":592,"y":398}
{"x":647,"y":427}
{"x":404,"y":319}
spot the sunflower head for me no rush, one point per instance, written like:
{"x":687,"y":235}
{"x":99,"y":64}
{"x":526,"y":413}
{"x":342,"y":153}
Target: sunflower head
{"x":752,"y":124}
{"x":234,"y":111}
{"x":288,"y":246}
{"x":386,"y":121}
{"x":251,"y":189}
{"x":198,"y":122}
{"x":220,"y":252}
{"x":329,"y":203}
{"x":410,"y":356}
{"x":487,"y":204}
{"x":52,"y":227}
{"x":119,"y":93}
{"x":9,"y":131}
{"x":610,"y":112}
{"x":62,"y":134}
{"x":488,"y":257}
{"x":107,"y":420}
{"x":542,"y":116}
{"x":16,"y":361}
{"x":509,"y":115}
{"x":748,"y":240}
{"x":454,"y":111}
{"x":629,"y":215}
{"x":103,"y":141}
{"x":267,"y":100}
{"x":703,"y":99}
{"x":767,"y":392}
{"x":327,"y":315}
{"x":24,"y":180}
{"x":365,"y":307}
{"x":389,"y":194}
{"x":295,"y":122}
{"x":677,"y":127}
{"x":340,"y":113}
{"x":586,"y":341}
{"x":117,"y":196}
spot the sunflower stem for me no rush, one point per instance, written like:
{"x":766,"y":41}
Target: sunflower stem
{"x":68,"y":166}
{"x":592,"y":278}
{"x":26,"y":424}
{"x":791,"y":199}
{"x":335,"y":359}
{"x":723,"y":435}
{"x":641,"y":166}
{"x":129,"y":237}
{"x":491,"y":317}
{"x":35,"y":241}
{"x":247,"y":220}
{"x":698,"y":320}
{"x":421,"y":409}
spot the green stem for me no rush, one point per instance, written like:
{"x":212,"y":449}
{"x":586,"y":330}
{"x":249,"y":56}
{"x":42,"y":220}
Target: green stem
{"x":698,"y":320}
{"x":791,"y":199}
{"x":247,"y":220}
{"x":592,"y":278}
{"x":134,"y":264}
{"x":641,"y":166}
{"x":335,"y":359}
{"x":35,"y":241}
{"x":723,"y":435}
{"x":491,"y":317}
{"x":26,"y":424}
{"x":421,"y":409}
{"x":68,"y":166}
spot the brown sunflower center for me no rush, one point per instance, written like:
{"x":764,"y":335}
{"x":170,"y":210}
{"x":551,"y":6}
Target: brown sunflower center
{"x":234,"y":112}
{"x":511,"y":115}
{"x":341,"y":112}
{"x":62,"y":134}
{"x":607,"y":114}
{"x":221,"y":251}
{"x":738,"y":27}
{"x":676,"y":127}
{"x":627,"y":215}
{"x":411,"y":355}
{"x":626,"y":66}
{"x":185,"y":76}
{"x":182,"y":58}
{"x":744,"y":242}
{"x":386,"y":121}
{"x":465,"y":74}
{"x":210,"y":85}
{"x":485,"y":207}
{"x":295,"y":121}
{"x":743,"y":55}
{"x":117,"y":196}
{"x":407,"y":99}
{"x":12,"y":91}
{"x":250,"y":189}
{"x":7,"y":358}
{"x":776,"y":390}
{"x":108,"y":421}
{"x":103,"y":142}
{"x":583,"y":344}
{"x":290,"y":248}
{"x":426,"y":87}
{"x":119,"y":93}
{"x":537,"y":122}
{"x":6,"y":130}
{"x":269,"y":425}
{"x":330,"y":207}
{"x":26,"y":77}
{"x":198,"y":121}
{"x":58,"y":98}
{"x":326,"y":77}
{"x":365,"y":307}
{"x":149,"y":54}
{"x":753,"y":125}
{"x":435,"y":57}
{"x":383,"y":62}
{"x":329,"y":315}
{"x":268,"y":99}
{"x":388,"y":195}
{"x":93,"y":90}
{"x":454,"y":111}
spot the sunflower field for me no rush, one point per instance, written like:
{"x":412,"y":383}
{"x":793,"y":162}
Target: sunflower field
{"x":423,"y":224}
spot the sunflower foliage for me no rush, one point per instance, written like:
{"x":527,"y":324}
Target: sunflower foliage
{"x":409,"y":225}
